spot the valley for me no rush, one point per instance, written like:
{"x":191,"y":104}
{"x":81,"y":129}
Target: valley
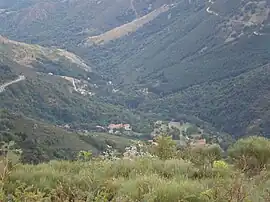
{"x":95,"y":63}
{"x":177,"y":57}
{"x":135,"y":100}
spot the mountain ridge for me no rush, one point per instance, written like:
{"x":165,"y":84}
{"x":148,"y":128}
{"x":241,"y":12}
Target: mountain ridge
{"x":20,"y":53}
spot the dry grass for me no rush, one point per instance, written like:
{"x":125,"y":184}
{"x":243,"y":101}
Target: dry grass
{"x":26,"y":54}
{"x":126,"y":29}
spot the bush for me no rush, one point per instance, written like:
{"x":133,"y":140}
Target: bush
{"x":141,"y":178}
{"x":251,"y":154}
{"x":165,"y":148}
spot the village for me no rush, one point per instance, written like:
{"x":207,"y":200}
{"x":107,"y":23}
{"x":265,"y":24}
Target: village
{"x":183,"y":133}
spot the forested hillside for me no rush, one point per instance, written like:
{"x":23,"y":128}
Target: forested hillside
{"x":67,"y":23}
{"x":238,"y":105}
{"x":58,"y":87}
{"x":42,"y":142}
{"x":198,"y":62}
{"x":192,"y":58}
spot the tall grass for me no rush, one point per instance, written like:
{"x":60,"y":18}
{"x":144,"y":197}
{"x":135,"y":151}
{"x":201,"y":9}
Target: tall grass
{"x":139,"y":179}
{"x":136,"y":178}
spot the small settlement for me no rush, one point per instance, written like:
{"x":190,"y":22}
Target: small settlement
{"x":116,"y":128}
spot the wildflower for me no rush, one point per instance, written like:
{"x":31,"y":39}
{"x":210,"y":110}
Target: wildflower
{"x":220,"y":165}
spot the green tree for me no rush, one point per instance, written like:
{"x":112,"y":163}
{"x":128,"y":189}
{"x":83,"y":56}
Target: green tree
{"x":251,"y":153}
{"x":84,"y":155}
{"x":175,"y":133}
{"x":192,"y":130}
{"x":204,"y":157}
{"x":165,"y":148}
{"x":121,"y":130}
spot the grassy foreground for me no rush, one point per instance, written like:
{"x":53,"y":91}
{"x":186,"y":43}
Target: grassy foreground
{"x":158,"y":174}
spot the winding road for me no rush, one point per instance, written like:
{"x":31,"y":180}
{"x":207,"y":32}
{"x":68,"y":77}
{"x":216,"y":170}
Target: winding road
{"x":210,"y":11}
{"x":3,"y":86}
{"x":256,"y":33}
{"x":74,"y":85}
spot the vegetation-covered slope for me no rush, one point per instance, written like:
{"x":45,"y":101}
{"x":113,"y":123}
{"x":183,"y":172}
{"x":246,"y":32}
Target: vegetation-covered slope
{"x":66,"y":23}
{"x":52,"y":99}
{"x":58,"y":87}
{"x":41,"y":142}
{"x":185,"y":46}
{"x":180,"y":62}
{"x":239,"y":105}
{"x":127,"y":28}
{"x":35,"y":56}
{"x":189,"y":47}
{"x":148,"y":173}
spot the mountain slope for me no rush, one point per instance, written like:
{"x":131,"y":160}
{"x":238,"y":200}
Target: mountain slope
{"x":179,"y":62}
{"x":66,"y":23}
{"x":31,"y":55}
{"x":40,"y":141}
{"x":68,"y":96}
{"x":239,"y":105}
{"x":127,"y":28}
{"x":172,"y":50}
{"x":187,"y":55}
{"x":52,"y":98}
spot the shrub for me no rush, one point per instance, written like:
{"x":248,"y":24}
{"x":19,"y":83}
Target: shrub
{"x":251,"y":154}
{"x":140,"y":178}
{"x":165,"y":148}
{"x":173,"y":168}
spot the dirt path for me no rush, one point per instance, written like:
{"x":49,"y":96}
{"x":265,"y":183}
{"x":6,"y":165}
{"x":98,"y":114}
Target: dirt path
{"x":133,"y":8}
{"x":74,"y":85}
{"x":210,"y":11}
{"x":3,"y":87}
